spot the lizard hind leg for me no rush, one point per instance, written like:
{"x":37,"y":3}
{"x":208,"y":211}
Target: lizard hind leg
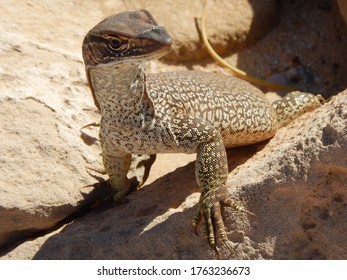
{"x":294,"y":104}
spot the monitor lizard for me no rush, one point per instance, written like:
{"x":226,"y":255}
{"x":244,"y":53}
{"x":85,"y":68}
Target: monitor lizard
{"x":175,"y":112}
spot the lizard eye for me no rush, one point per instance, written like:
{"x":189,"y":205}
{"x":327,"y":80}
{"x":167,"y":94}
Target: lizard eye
{"x":115,"y":44}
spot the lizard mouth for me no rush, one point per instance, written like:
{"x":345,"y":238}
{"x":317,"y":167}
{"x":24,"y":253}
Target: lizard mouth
{"x":152,"y":44}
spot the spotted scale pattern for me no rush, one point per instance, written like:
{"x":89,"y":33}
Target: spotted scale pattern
{"x":295,"y":104}
{"x":237,"y":109}
{"x":190,"y":112}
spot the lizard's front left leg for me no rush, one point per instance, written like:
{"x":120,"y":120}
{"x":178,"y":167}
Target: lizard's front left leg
{"x":211,"y":169}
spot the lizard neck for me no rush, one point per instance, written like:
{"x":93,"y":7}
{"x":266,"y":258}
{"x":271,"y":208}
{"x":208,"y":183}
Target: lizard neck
{"x":117,"y":85}
{"x":120,"y":90}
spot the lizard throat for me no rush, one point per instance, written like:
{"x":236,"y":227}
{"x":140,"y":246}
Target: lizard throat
{"x":120,"y":92}
{"x":117,"y":85}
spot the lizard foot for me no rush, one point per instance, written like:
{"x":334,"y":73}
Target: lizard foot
{"x":209,"y":214}
{"x":212,"y":221}
{"x":116,"y":193}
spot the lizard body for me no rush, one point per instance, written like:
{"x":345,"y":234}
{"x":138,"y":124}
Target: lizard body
{"x":174,"y":112}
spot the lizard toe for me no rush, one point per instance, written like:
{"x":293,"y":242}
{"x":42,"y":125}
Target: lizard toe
{"x":117,"y":192}
{"x":228,"y":202}
{"x":212,"y":224}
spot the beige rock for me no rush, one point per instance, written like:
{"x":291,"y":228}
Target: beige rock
{"x":41,"y":173}
{"x":43,"y":103}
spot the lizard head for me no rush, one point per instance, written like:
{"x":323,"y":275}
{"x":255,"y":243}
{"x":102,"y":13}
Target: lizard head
{"x":129,"y":37}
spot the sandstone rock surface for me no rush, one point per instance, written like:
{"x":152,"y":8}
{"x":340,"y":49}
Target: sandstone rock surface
{"x":301,"y":203}
{"x":43,"y":102}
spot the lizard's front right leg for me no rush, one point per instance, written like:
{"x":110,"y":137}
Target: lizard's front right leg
{"x":117,"y":167}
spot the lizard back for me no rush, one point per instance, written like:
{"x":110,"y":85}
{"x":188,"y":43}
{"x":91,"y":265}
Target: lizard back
{"x":237,"y":108}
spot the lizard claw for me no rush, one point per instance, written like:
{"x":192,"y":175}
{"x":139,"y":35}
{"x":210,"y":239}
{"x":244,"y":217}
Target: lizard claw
{"x":210,"y":215}
{"x":228,"y":202}
{"x":212,"y":223}
{"x":90,"y":124}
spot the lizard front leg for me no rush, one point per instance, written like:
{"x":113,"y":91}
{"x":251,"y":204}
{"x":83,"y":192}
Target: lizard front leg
{"x":211,"y":169}
{"x":117,"y":168}
{"x":127,"y":172}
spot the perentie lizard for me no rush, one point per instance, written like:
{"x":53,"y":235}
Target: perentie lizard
{"x":174,"y":112}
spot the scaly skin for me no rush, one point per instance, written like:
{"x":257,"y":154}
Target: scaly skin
{"x":175,"y":112}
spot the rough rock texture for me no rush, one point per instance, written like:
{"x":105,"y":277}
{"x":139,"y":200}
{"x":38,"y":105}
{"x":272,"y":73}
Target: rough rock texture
{"x":44,"y":157}
{"x":41,"y":173}
{"x":42,"y":97}
{"x":297,"y":186}
{"x":307,"y":49}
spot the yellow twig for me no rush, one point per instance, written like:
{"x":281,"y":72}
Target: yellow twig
{"x":237,"y":72}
